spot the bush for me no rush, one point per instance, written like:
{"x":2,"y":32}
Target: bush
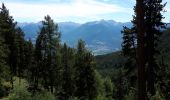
{"x":131,"y":95}
{"x":43,"y":96}
{"x":20,"y":92}
{"x":158,"y":95}
{"x":73,"y":98}
{"x":23,"y":94}
{"x":4,"y":90}
{"x":101,"y":97}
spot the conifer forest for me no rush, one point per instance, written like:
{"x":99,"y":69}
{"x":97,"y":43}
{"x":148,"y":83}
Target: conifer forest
{"x":50,"y":69}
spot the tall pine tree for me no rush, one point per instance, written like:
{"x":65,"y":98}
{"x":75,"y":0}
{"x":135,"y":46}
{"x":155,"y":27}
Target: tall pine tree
{"x":46,"y":46}
{"x":8,"y":31}
{"x":85,"y":73}
{"x":68,"y":86}
{"x":153,"y":23}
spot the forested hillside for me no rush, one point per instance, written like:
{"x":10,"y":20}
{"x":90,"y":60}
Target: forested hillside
{"x":164,"y":46}
{"x":111,"y":65}
{"x":109,"y":61}
{"x":49,"y":69}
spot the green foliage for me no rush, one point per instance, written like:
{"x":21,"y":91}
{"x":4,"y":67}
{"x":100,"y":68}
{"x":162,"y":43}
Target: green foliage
{"x":163,"y":60}
{"x":131,"y":95}
{"x":108,"y":86}
{"x":43,"y":96}
{"x":3,"y":56}
{"x":20,"y":92}
{"x":158,"y":95}
{"x":7,"y":28}
{"x":47,"y":44}
{"x":4,"y":69}
{"x":19,"y":49}
{"x":73,"y":98}
{"x":129,"y":42}
{"x":4,"y":90}
{"x":99,"y":83}
{"x":68,"y":86}
{"x":85,"y":73}
{"x":14,"y":41}
{"x":53,"y":68}
{"x":102,"y":97}
{"x":108,"y":61}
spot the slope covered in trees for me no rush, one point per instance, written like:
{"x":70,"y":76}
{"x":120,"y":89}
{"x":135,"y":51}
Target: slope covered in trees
{"x":105,"y":65}
{"x":50,"y":69}
{"x":46,"y":67}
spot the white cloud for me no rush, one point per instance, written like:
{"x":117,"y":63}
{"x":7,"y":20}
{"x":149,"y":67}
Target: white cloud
{"x":73,"y":10}
{"x":77,"y":8}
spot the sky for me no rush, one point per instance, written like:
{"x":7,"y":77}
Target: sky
{"x":79,"y":11}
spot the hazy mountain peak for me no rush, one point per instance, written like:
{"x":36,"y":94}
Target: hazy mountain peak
{"x":101,"y":36}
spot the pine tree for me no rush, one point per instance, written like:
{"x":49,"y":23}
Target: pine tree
{"x":85,"y":73}
{"x":59,"y":71}
{"x":3,"y":56}
{"x":153,"y":21}
{"x":29,"y":56}
{"x":20,"y":57}
{"x":129,"y":51}
{"x":4,"y":68}
{"x":128,"y":44}
{"x":36,"y":70}
{"x":121,"y":83}
{"x":80,"y":80}
{"x":32,"y":70}
{"x":8,"y":30}
{"x":163,"y":75}
{"x":68,"y":86}
{"x":108,"y":86}
{"x":46,"y":46}
{"x":129,"y":48}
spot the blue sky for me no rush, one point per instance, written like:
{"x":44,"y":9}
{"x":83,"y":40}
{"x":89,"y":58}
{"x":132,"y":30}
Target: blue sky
{"x":79,"y":11}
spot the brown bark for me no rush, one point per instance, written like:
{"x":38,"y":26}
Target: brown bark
{"x":151,"y":62}
{"x":141,"y":51}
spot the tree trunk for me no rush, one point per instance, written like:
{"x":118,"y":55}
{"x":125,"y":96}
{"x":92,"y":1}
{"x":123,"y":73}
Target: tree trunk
{"x":151,"y":64}
{"x":141,"y":51}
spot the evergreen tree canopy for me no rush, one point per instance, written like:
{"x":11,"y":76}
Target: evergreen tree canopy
{"x":85,"y":73}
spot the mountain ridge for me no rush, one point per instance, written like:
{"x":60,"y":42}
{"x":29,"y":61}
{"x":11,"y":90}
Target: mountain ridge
{"x":101,"y":37}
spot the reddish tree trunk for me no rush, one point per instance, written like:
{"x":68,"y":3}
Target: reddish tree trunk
{"x":141,"y":51}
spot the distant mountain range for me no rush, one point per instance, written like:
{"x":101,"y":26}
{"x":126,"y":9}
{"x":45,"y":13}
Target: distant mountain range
{"x":101,"y":37}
